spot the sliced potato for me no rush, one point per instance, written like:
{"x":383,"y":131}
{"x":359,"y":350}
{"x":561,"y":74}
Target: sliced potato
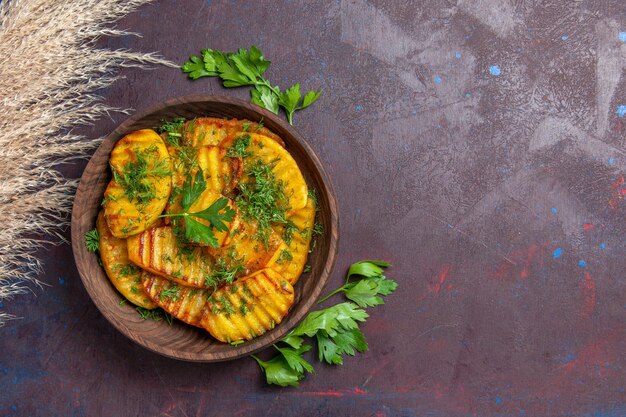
{"x":241,"y":245}
{"x":211,"y":131}
{"x":123,"y":274}
{"x":157,"y":250}
{"x":141,"y":184}
{"x":185,"y":303}
{"x":221,"y":174}
{"x":283,"y":165}
{"x":249,"y":307}
{"x":290,"y":259}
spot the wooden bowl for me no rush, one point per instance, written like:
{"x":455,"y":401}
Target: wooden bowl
{"x":179,"y":340}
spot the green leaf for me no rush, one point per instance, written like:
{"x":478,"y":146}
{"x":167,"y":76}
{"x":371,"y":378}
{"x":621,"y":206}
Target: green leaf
{"x":366,"y":268}
{"x":265,"y":97}
{"x":364,"y":293}
{"x":289,"y":99}
{"x":92,"y":240}
{"x":257,"y":58}
{"x":310,"y":98}
{"x":245,"y":67}
{"x":331,"y":319}
{"x":385,"y":286}
{"x":212,"y":60}
{"x":278,"y":372}
{"x":213,"y":215}
{"x":345,"y":342}
{"x":195,"y":68}
{"x":293,"y":340}
{"x":231,"y":76}
{"x":294,"y":358}
{"x":199,"y":233}
{"x":193,"y":189}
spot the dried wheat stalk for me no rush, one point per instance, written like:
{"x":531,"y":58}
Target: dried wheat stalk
{"x":49,"y":71}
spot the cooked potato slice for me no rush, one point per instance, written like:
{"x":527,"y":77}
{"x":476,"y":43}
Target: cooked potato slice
{"x":291,"y":258}
{"x":211,"y":131}
{"x":185,"y":303}
{"x":123,"y":274}
{"x":221,"y":174}
{"x":242,"y":246}
{"x":284,"y":167}
{"x":249,"y":307}
{"x":157,"y":250}
{"x":141,"y":183}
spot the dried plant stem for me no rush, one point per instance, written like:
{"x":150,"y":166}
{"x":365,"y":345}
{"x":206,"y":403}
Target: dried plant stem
{"x":49,"y":72}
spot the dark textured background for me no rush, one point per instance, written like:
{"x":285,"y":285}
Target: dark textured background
{"x":476,"y":144}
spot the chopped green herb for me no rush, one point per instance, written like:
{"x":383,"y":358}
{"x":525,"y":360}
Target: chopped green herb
{"x":92,"y":240}
{"x":223,"y":273}
{"x":262,"y":199}
{"x":135,"y":177}
{"x":239,"y":148}
{"x":172,"y":293}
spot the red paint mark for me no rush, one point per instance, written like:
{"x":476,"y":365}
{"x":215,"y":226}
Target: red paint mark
{"x":594,"y":360}
{"x":618,"y":192}
{"x":523,"y":259}
{"x":443,"y":274}
{"x":588,"y":227}
{"x":532,"y":250}
{"x":336,"y":393}
{"x":589,"y":295}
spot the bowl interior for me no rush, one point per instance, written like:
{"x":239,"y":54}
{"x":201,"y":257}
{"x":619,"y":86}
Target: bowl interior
{"x":180,"y":340}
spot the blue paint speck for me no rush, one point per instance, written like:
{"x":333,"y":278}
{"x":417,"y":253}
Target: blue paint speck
{"x":494,"y":70}
{"x":557,"y":253}
{"x":568,"y":358}
{"x":468,"y":94}
{"x":498,"y":400}
{"x":437,"y":79}
{"x":582,"y":263}
{"x":622,"y":36}
{"x":358,"y":107}
{"x":61,"y":281}
{"x":621,"y":110}
{"x":14,"y":407}
{"x":611,"y":161}
{"x":457,"y":55}
{"x":564,"y":37}
{"x":554,"y":210}
{"x":602,"y":245}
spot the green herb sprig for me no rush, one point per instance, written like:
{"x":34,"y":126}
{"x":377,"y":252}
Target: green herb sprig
{"x":366,"y":291}
{"x":218,"y":214}
{"x":335,"y":329}
{"x":246,"y":67}
{"x":92,"y":240}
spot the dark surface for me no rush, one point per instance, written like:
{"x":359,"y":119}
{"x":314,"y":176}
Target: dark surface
{"x":467,"y":181}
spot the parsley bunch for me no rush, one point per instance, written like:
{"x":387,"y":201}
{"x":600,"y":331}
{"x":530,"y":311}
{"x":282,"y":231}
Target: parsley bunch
{"x":334,"y":329}
{"x":246,"y":67}
{"x":218,"y":214}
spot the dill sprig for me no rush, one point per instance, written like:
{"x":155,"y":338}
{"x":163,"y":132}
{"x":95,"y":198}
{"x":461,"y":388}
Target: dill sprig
{"x":92,"y":240}
{"x":135,"y":177}
{"x":262,"y":199}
